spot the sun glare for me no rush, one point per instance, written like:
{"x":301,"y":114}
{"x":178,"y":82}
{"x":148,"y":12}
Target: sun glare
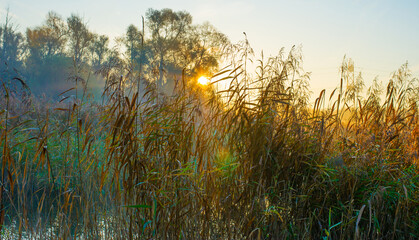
{"x":203,"y":81}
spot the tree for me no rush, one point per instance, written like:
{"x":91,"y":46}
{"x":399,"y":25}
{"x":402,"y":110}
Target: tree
{"x":167,"y":29}
{"x":47,"y":65}
{"x":99,"y":50}
{"x":179,"y":46}
{"x":201,"y":50}
{"x":132,"y":43}
{"x":79,"y":36}
{"x":11,"y":51}
{"x":49,"y":39}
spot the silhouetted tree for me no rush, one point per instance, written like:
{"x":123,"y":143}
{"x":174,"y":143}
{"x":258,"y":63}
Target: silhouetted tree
{"x":49,"y":39}
{"x":167,"y":29}
{"x":201,"y":49}
{"x":79,"y":38}
{"x":11,"y":51}
{"x":47,"y":65}
{"x":99,"y":50}
{"x":178,"y":45}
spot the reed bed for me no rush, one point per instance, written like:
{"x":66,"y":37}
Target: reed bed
{"x":253,"y":161}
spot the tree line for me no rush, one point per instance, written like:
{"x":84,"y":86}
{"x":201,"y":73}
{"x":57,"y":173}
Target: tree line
{"x":62,"y":52}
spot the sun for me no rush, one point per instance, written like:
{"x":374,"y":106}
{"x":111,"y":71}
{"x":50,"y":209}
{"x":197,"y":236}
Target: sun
{"x":203,"y":80}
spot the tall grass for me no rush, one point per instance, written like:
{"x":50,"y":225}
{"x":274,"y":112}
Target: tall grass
{"x":253,"y":161}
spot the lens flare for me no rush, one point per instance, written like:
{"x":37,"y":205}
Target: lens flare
{"x":203,"y":81}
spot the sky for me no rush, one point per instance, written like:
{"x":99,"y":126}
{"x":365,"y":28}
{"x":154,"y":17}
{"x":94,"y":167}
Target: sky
{"x":379,"y":35}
